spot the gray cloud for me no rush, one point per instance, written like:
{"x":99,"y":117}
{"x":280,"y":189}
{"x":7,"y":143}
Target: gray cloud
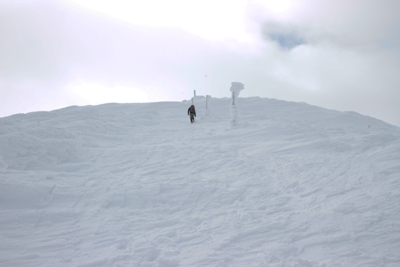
{"x":47,"y":45}
{"x":49,"y":40}
{"x":347,"y":59}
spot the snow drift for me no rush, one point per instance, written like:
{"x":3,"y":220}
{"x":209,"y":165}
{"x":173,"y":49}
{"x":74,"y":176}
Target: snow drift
{"x":138,"y":185}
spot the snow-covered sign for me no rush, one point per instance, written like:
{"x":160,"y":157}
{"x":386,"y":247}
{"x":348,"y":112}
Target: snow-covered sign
{"x":235,"y":89}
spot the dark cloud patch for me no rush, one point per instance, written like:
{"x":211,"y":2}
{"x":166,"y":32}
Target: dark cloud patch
{"x":286,"y":41}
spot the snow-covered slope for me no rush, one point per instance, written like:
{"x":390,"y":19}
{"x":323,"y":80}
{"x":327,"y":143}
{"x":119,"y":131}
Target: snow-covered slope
{"x":138,"y":185}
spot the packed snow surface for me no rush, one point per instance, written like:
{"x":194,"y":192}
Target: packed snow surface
{"x":139,"y":185}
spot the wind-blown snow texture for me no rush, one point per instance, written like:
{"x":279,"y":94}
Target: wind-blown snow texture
{"x":138,"y":185}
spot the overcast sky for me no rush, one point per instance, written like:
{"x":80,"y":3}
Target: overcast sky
{"x":337,"y":54}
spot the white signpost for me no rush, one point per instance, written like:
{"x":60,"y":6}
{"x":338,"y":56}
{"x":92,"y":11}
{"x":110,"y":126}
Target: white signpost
{"x":208,"y":105}
{"x":194,"y":95}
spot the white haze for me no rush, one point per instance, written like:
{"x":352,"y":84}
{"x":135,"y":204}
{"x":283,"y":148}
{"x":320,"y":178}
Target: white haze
{"x":336,"y":54}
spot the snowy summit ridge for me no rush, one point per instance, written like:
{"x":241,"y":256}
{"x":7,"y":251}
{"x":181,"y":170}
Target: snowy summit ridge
{"x":138,"y":185}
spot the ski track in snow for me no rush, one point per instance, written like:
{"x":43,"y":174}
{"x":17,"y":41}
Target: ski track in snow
{"x":138,"y":185}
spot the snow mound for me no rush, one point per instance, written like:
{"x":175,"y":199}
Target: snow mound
{"x":138,"y":185}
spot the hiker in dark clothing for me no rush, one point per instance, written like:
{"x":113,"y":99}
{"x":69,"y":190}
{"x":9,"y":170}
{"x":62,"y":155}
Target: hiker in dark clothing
{"x":192,"y":113}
